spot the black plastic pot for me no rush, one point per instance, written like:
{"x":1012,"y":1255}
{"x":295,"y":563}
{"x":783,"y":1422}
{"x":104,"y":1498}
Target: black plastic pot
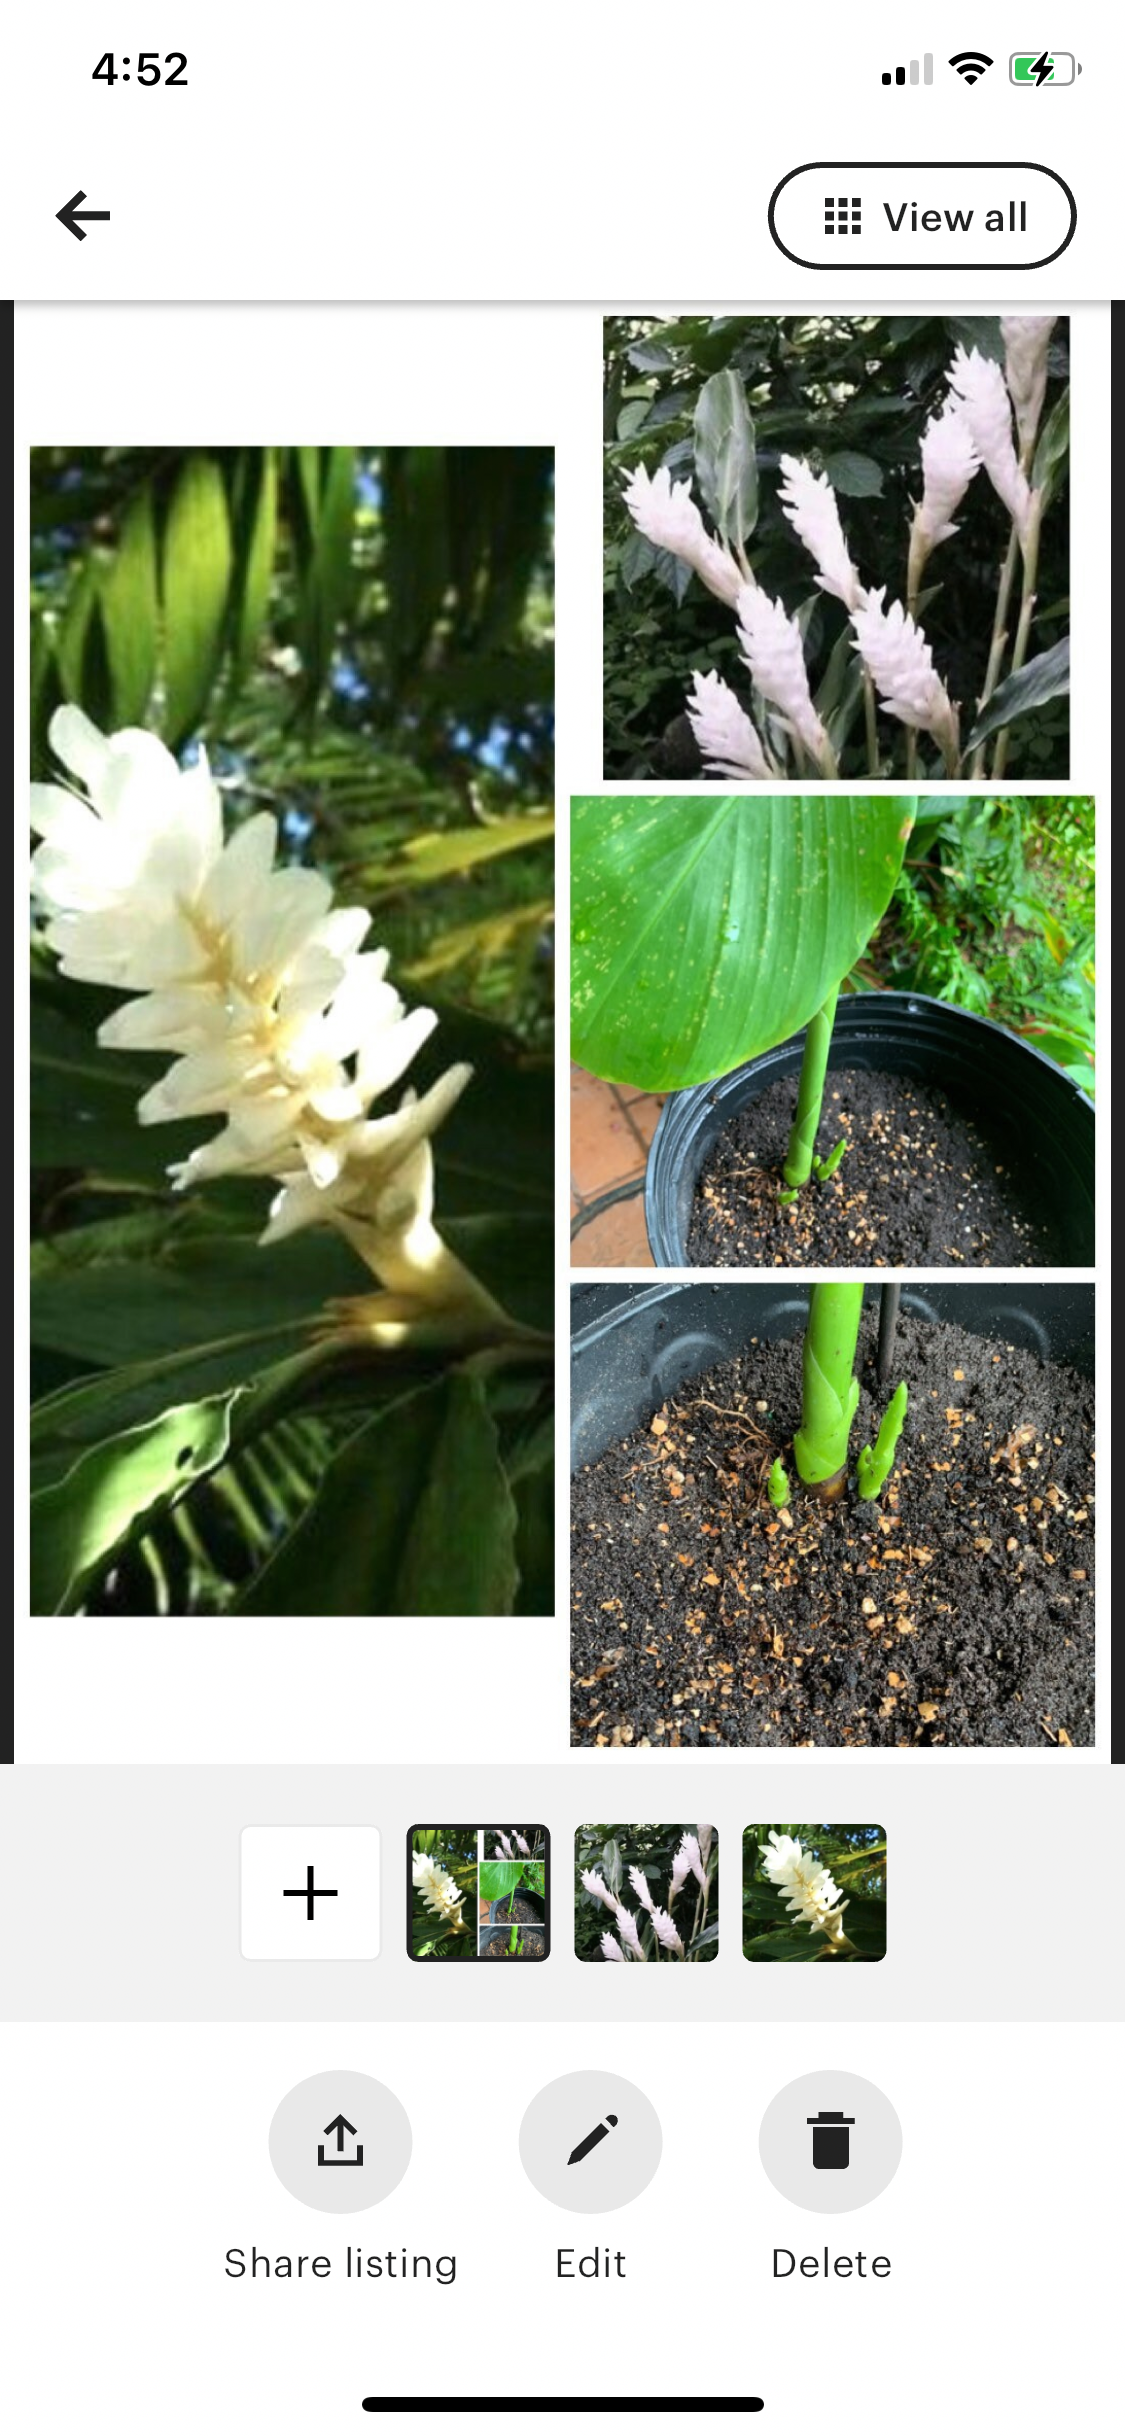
{"x":1012,"y":1090}
{"x":633,"y":1346}
{"x":496,"y":1915}
{"x":499,"y":1942}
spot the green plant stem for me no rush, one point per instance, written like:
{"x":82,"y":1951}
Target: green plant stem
{"x":1027,"y":612}
{"x":830,"y":1392}
{"x":810,"y":1092}
{"x":874,"y":1464}
{"x":872,"y":726}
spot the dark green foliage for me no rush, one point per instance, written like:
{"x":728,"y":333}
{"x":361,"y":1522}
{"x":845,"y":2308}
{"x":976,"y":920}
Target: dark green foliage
{"x":994,"y":911}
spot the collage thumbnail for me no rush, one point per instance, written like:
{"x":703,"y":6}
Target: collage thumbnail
{"x":833,"y":1035}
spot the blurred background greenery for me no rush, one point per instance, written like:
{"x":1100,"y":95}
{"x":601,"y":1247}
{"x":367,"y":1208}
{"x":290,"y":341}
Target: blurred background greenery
{"x":363,"y":640}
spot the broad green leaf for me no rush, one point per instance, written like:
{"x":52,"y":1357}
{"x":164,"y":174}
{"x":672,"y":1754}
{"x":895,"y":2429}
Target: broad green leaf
{"x":459,"y":1556}
{"x":853,"y":475}
{"x":83,"y":658}
{"x":328,"y":574}
{"x":257,"y":519}
{"x":865,"y":1926}
{"x":498,"y":1879}
{"x":705,"y":931}
{"x":783,"y":1945}
{"x":197,"y":560}
{"x":1040,"y":681}
{"x":113,"y":1491}
{"x":129,"y":613}
{"x":726,"y":462}
{"x":208,"y":1285}
{"x":412,"y":1517}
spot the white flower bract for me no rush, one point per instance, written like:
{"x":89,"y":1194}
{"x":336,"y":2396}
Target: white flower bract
{"x":809,"y":502}
{"x":809,"y":1890}
{"x":257,"y":987}
{"x":901,"y":664}
{"x":949,"y":462}
{"x":439,"y":1891}
{"x":774,"y":654}
{"x":979,"y":386}
{"x":729,"y":743}
{"x":1027,"y":338}
{"x":665,"y":512}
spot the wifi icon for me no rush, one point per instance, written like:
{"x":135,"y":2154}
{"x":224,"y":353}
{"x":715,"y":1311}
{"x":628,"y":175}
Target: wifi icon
{"x":970,"y":65}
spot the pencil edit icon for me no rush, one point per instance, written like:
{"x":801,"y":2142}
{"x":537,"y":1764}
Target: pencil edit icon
{"x":601,"y":2131}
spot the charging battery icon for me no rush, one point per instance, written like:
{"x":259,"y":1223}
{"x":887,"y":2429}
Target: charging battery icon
{"x":1042,"y":68}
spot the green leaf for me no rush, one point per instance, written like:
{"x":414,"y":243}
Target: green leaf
{"x":705,"y":931}
{"x":257,"y":521}
{"x":1053,"y":450}
{"x":865,"y":1926}
{"x":129,"y":613}
{"x":498,"y":1879}
{"x":459,"y":1557}
{"x":197,"y":564}
{"x":327,"y":577}
{"x":1042,"y":680}
{"x":631,"y":417}
{"x":726,"y":460}
{"x":437,"y":853}
{"x":782,"y":1945}
{"x":613,"y":1865}
{"x":414,"y":1508}
{"x":115,"y":1490}
{"x":853,"y":475}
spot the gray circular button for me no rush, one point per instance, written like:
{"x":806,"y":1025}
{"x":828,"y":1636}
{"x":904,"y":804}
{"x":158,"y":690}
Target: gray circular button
{"x":590,"y":2142}
{"x":340,"y":2142}
{"x":830,"y":2142}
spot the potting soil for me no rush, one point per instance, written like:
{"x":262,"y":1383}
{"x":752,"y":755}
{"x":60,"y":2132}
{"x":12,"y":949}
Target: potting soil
{"x":922,"y":1184}
{"x":956,"y":1609}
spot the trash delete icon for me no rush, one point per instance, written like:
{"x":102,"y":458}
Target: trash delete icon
{"x":831,"y":2141}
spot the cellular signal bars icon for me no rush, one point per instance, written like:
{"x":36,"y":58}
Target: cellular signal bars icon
{"x":919,"y":72}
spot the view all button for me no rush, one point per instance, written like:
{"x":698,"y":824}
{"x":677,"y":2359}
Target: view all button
{"x":922,"y":215}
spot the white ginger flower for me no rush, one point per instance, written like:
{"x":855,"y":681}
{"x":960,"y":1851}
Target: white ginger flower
{"x":692,"y":1857}
{"x":901,"y":664}
{"x":258,"y":988}
{"x":949,"y":461}
{"x":809,"y":502}
{"x":681,"y":1869}
{"x":980,"y":388}
{"x":506,"y":1853}
{"x":439,"y":1892}
{"x":774,"y":654}
{"x":665,"y":512}
{"x":596,"y":1885}
{"x":809,"y":1889}
{"x":627,"y":1923}
{"x":1027,"y":338}
{"x":667,"y":1932}
{"x":728,"y":740}
{"x":610,"y":1948}
{"x":522,"y":1844}
{"x":641,"y":1887}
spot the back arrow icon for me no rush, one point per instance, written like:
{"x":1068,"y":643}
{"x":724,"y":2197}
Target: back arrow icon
{"x":71,"y":216}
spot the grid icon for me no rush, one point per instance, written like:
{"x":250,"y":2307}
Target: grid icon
{"x":843,"y":218}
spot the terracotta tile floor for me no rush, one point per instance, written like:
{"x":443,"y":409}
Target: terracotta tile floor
{"x":610,"y":1131}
